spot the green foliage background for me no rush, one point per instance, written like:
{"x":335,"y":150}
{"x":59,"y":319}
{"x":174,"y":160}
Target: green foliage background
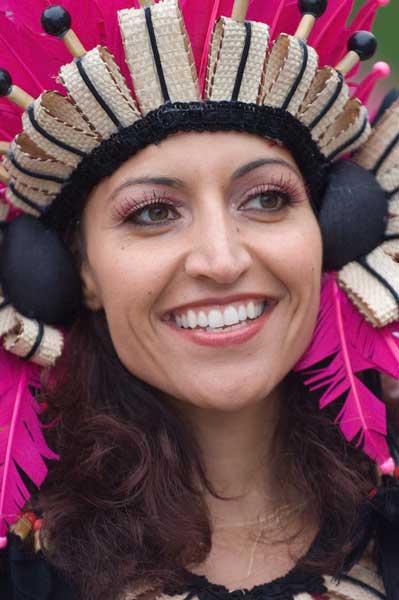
{"x":387,"y":31}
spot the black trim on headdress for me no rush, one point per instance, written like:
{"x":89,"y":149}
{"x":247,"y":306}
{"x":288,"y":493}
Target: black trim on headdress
{"x":305,"y":56}
{"x":155,"y":52}
{"x":265,"y":121}
{"x":367,"y":267}
{"x":17,"y":165}
{"x":243,"y":61}
{"x":92,"y":88}
{"x":31,"y":114}
{"x":351,"y":141}
{"x":26,"y":200}
{"x":330,"y":103}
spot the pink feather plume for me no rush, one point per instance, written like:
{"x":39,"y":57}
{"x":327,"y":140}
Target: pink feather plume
{"x":348,"y":345}
{"x":22,"y":444}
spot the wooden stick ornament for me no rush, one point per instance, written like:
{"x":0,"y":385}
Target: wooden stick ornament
{"x":56,"y":21}
{"x":4,"y":148}
{"x":361,"y":46}
{"x":4,"y":176}
{"x":311,"y":10}
{"x":13,"y":92}
{"x":144,"y":3}
{"x":240,"y":10}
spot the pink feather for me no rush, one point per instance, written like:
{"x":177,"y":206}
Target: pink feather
{"x":351,"y":345}
{"x":22,"y":444}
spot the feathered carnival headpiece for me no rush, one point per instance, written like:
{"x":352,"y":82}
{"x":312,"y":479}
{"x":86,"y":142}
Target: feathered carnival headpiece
{"x":258,"y":67}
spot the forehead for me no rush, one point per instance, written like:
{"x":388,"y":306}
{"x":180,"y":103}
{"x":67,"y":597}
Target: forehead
{"x":191,"y":155}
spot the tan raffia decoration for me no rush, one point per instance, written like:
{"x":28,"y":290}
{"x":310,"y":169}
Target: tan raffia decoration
{"x":58,"y":115}
{"x":107,"y":79}
{"x":37,"y":195}
{"x":350,"y":122}
{"x":283,"y":68}
{"x":227,"y":45}
{"x":321,"y":91}
{"x":381,"y":140}
{"x":371,"y":297}
{"x":21,"y":339}
{"x":174,"y":50}
{"x":8,"y":318}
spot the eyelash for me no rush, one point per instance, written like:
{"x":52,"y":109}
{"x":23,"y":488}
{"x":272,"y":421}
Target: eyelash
{"x":130,"y":208}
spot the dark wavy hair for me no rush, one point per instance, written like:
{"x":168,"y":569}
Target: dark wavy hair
{"x":124,"y":505}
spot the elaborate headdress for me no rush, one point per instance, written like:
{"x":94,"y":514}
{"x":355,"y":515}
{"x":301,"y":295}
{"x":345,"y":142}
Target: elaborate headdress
{"x":256,"y":67}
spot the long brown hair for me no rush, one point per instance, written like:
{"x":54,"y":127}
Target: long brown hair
{"x":124,"y":505}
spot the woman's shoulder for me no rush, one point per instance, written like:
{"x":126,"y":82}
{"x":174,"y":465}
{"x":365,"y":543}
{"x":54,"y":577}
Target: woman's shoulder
{"x":25,"y":574}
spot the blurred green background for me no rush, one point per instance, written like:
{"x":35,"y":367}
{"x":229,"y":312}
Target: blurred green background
{"x":387,"y":31}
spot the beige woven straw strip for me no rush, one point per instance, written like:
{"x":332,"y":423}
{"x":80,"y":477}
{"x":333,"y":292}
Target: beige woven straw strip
{"x":8,"y":319}
{"x":21,"y":339}
{"x":346,"y":126}
{"x":386,"y":130}
{"x":370,"y":296}
{"x":175,"y":54}
{"x":48,"y":187}
{"x":283,"y":68}
{"x":31,"y":157}
{"x":228,"y":41}
{"x":58,"y":116}
{"x":107,"y":79}
{"x":319,"y":96}
{"x":36,"y":195}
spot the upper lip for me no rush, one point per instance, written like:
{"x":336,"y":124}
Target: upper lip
{"x":217,"y":300}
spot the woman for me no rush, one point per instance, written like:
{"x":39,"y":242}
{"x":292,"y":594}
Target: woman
{"x":193,"y":460}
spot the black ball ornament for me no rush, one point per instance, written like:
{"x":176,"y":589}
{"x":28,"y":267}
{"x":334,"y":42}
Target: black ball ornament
{"x":312,"y":7}
{"x":37,"y":272}
{"x":363,"y":43}
{"x":353,"y":214}
{"x":5,"y":82}
{"x":56,"y":21}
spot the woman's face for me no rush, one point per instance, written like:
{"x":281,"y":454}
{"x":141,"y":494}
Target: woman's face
{"x":205,"y":255}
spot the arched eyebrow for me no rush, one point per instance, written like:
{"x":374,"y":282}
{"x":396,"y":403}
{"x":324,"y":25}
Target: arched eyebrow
{"x":174,"y":182}
{"x":261,"y":162}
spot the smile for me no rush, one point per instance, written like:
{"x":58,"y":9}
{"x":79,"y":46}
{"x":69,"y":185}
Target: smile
{"x":217,"y":325}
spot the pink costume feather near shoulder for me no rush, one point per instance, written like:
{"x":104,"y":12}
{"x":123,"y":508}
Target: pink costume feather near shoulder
{"x":22,"y":444}
{"x":350,"y":345}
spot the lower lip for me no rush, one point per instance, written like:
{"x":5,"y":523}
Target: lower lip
{"x":230,"y":338}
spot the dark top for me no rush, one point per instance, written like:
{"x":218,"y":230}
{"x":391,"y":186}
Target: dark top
{"x":27,"y":575}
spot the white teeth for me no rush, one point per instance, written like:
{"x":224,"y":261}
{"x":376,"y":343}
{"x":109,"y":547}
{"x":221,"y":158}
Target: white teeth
{"x":192,"y":319}
{"x":251,"y":310}
{"x":202,"y":319}
{"x":215,"y":319}
{"x":242,"y":313}
{"x":230,"y":316}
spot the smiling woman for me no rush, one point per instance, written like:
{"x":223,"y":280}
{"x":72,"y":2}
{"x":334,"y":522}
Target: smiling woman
{"x":217,"y":250}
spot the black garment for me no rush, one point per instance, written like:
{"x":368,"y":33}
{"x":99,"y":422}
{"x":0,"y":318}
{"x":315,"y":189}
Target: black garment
{"x":26,"y":575}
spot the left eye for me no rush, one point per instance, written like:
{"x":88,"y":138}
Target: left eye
{"x":271,"y":201}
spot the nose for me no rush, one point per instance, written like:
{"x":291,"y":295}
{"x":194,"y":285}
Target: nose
{"x":218,"y":251}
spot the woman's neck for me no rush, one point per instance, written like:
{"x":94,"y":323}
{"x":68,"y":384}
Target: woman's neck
{"x":238,"y":449}
{"x":249,"y":512}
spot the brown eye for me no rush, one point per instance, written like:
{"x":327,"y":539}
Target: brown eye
{"x":154,"y":214}
{"x":271,"y":201}
{"x":158,"y":213}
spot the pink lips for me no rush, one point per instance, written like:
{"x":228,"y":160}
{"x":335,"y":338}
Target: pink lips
{"x":220,"y":340}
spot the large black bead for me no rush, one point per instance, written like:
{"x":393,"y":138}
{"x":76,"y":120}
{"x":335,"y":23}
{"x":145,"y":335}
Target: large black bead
{"x":353,"y":214}
{"x":364,"y":43}
{"x":312,"y":7}
{"x":37,"y":272}
{"x":56,"y":21}
{"x":5,"y":82}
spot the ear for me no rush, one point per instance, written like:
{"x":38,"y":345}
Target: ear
{"x":90,"y":288}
